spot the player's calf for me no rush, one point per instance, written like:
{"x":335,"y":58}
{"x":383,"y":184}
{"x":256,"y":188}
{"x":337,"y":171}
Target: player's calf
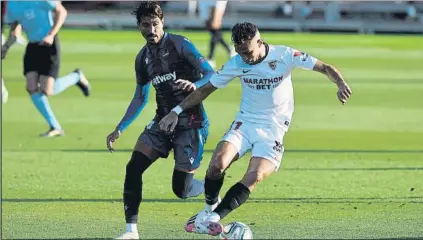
{"x":258,"y":170}
{"x":185,"y":186}
{"x":132,"y":193}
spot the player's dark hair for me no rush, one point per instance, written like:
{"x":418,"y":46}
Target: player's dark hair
{"x":242,"y":32}
{"x":147,"y":8}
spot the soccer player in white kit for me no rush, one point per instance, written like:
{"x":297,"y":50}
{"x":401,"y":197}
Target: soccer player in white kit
{"x":265,"y":115}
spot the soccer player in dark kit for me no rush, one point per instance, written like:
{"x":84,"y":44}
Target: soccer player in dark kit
{"x":175,"y":68}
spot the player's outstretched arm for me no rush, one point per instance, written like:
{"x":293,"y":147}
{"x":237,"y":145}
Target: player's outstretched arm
{"x":196,"y":97}
{"x":344,"y":91}
{"x":10,"y":40}
{"x":134,"y":109}
{"x":168,"y":122}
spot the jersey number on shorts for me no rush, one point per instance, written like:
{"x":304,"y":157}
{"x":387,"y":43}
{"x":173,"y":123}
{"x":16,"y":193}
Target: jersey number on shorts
{"x":237,"y":125}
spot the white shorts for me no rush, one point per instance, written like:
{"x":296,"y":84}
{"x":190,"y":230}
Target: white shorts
{"x":205,"y":6}
{"x":263,"y":141}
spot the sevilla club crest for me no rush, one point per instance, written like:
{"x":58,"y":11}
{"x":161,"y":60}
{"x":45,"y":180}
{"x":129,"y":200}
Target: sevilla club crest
{"x":272,"y":65}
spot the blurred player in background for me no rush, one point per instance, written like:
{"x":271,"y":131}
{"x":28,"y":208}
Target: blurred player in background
{"x":162,"y":62}
{"x":18,"y":30}
{"x":211,"y":12}
{"x":42,"y":55}
{"x":265,"y":114}
{"x":19,"y":39}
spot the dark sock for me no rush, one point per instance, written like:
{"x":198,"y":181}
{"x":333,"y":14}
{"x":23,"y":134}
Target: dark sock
{"x":181,"y":183}
{"x":213,"y":41}
{"x":212,"y":188}
{"x":235,"y":196}
{"x":132,"y":193}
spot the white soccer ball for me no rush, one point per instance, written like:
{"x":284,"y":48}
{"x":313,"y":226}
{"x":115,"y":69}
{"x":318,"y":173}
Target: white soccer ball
{"x":236,"y":230}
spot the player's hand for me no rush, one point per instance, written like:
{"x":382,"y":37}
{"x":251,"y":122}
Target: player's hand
{"x":168,"y":122}
{"x":48,"y":40}
{"x":344,"y":92}
{"x":112,"y":138}
{"x":186,"y":85}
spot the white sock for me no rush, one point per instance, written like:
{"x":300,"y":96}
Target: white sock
{"x":210,"y":208}
{"x":131,"y":227}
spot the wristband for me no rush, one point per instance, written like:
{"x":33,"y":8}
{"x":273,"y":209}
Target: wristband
{"x":177,"y":109}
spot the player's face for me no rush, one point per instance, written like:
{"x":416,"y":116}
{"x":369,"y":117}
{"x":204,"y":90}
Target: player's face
{"x":249,"y":50}
{"x":151,"y":29}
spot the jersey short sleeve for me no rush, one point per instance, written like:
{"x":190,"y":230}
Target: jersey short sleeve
{"x":222,"y":77}
{"x":193,"y":56}
{"x":301,"y":59}
{"x":50,"y":5}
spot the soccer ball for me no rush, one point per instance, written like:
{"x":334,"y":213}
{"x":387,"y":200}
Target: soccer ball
{"x":236,"y":230}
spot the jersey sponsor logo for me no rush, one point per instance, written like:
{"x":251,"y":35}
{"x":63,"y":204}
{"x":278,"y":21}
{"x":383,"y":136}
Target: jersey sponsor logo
{"x":163,"y":78}
{"x":164,"y":52}
{"x":29,"y":14}
{"x":278,"y":147}
{"x":273,"y":65}
{"x":263,"y":83}
{"x":246,"y":70}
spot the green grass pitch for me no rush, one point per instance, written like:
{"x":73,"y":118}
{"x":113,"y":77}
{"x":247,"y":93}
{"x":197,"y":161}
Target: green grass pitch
{"x":353,"y":171}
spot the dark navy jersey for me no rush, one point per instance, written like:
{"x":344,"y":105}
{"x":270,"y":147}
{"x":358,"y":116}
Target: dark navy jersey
{"x":175,"y":57}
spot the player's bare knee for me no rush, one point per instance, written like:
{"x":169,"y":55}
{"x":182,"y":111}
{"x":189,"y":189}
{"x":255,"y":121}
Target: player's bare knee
{"x":216,"y":170}
{"x":48,"y":92}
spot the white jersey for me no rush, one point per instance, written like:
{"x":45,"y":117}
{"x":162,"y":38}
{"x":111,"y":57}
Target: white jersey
{"x":267,"y":93}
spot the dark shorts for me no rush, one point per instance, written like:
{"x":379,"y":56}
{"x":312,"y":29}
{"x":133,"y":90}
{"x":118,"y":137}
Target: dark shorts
{"x":45,"y":60}
{"x":187,"y":144}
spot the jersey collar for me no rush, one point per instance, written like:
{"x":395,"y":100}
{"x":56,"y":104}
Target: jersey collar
{"x":267,"y":53}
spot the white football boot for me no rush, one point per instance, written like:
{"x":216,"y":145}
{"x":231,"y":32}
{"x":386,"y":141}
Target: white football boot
{"x":129,"y":235}
{"x":210,"y":225}
{"x":200,"y":217}
{"x":53,"y":133}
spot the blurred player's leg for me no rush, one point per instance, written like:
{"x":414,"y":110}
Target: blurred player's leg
{"x":214,"y":24}
{"x":4,"y":92}
{"x":76,"y":77}
{"x":41,"y":103}
{"x":217,"y":37}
